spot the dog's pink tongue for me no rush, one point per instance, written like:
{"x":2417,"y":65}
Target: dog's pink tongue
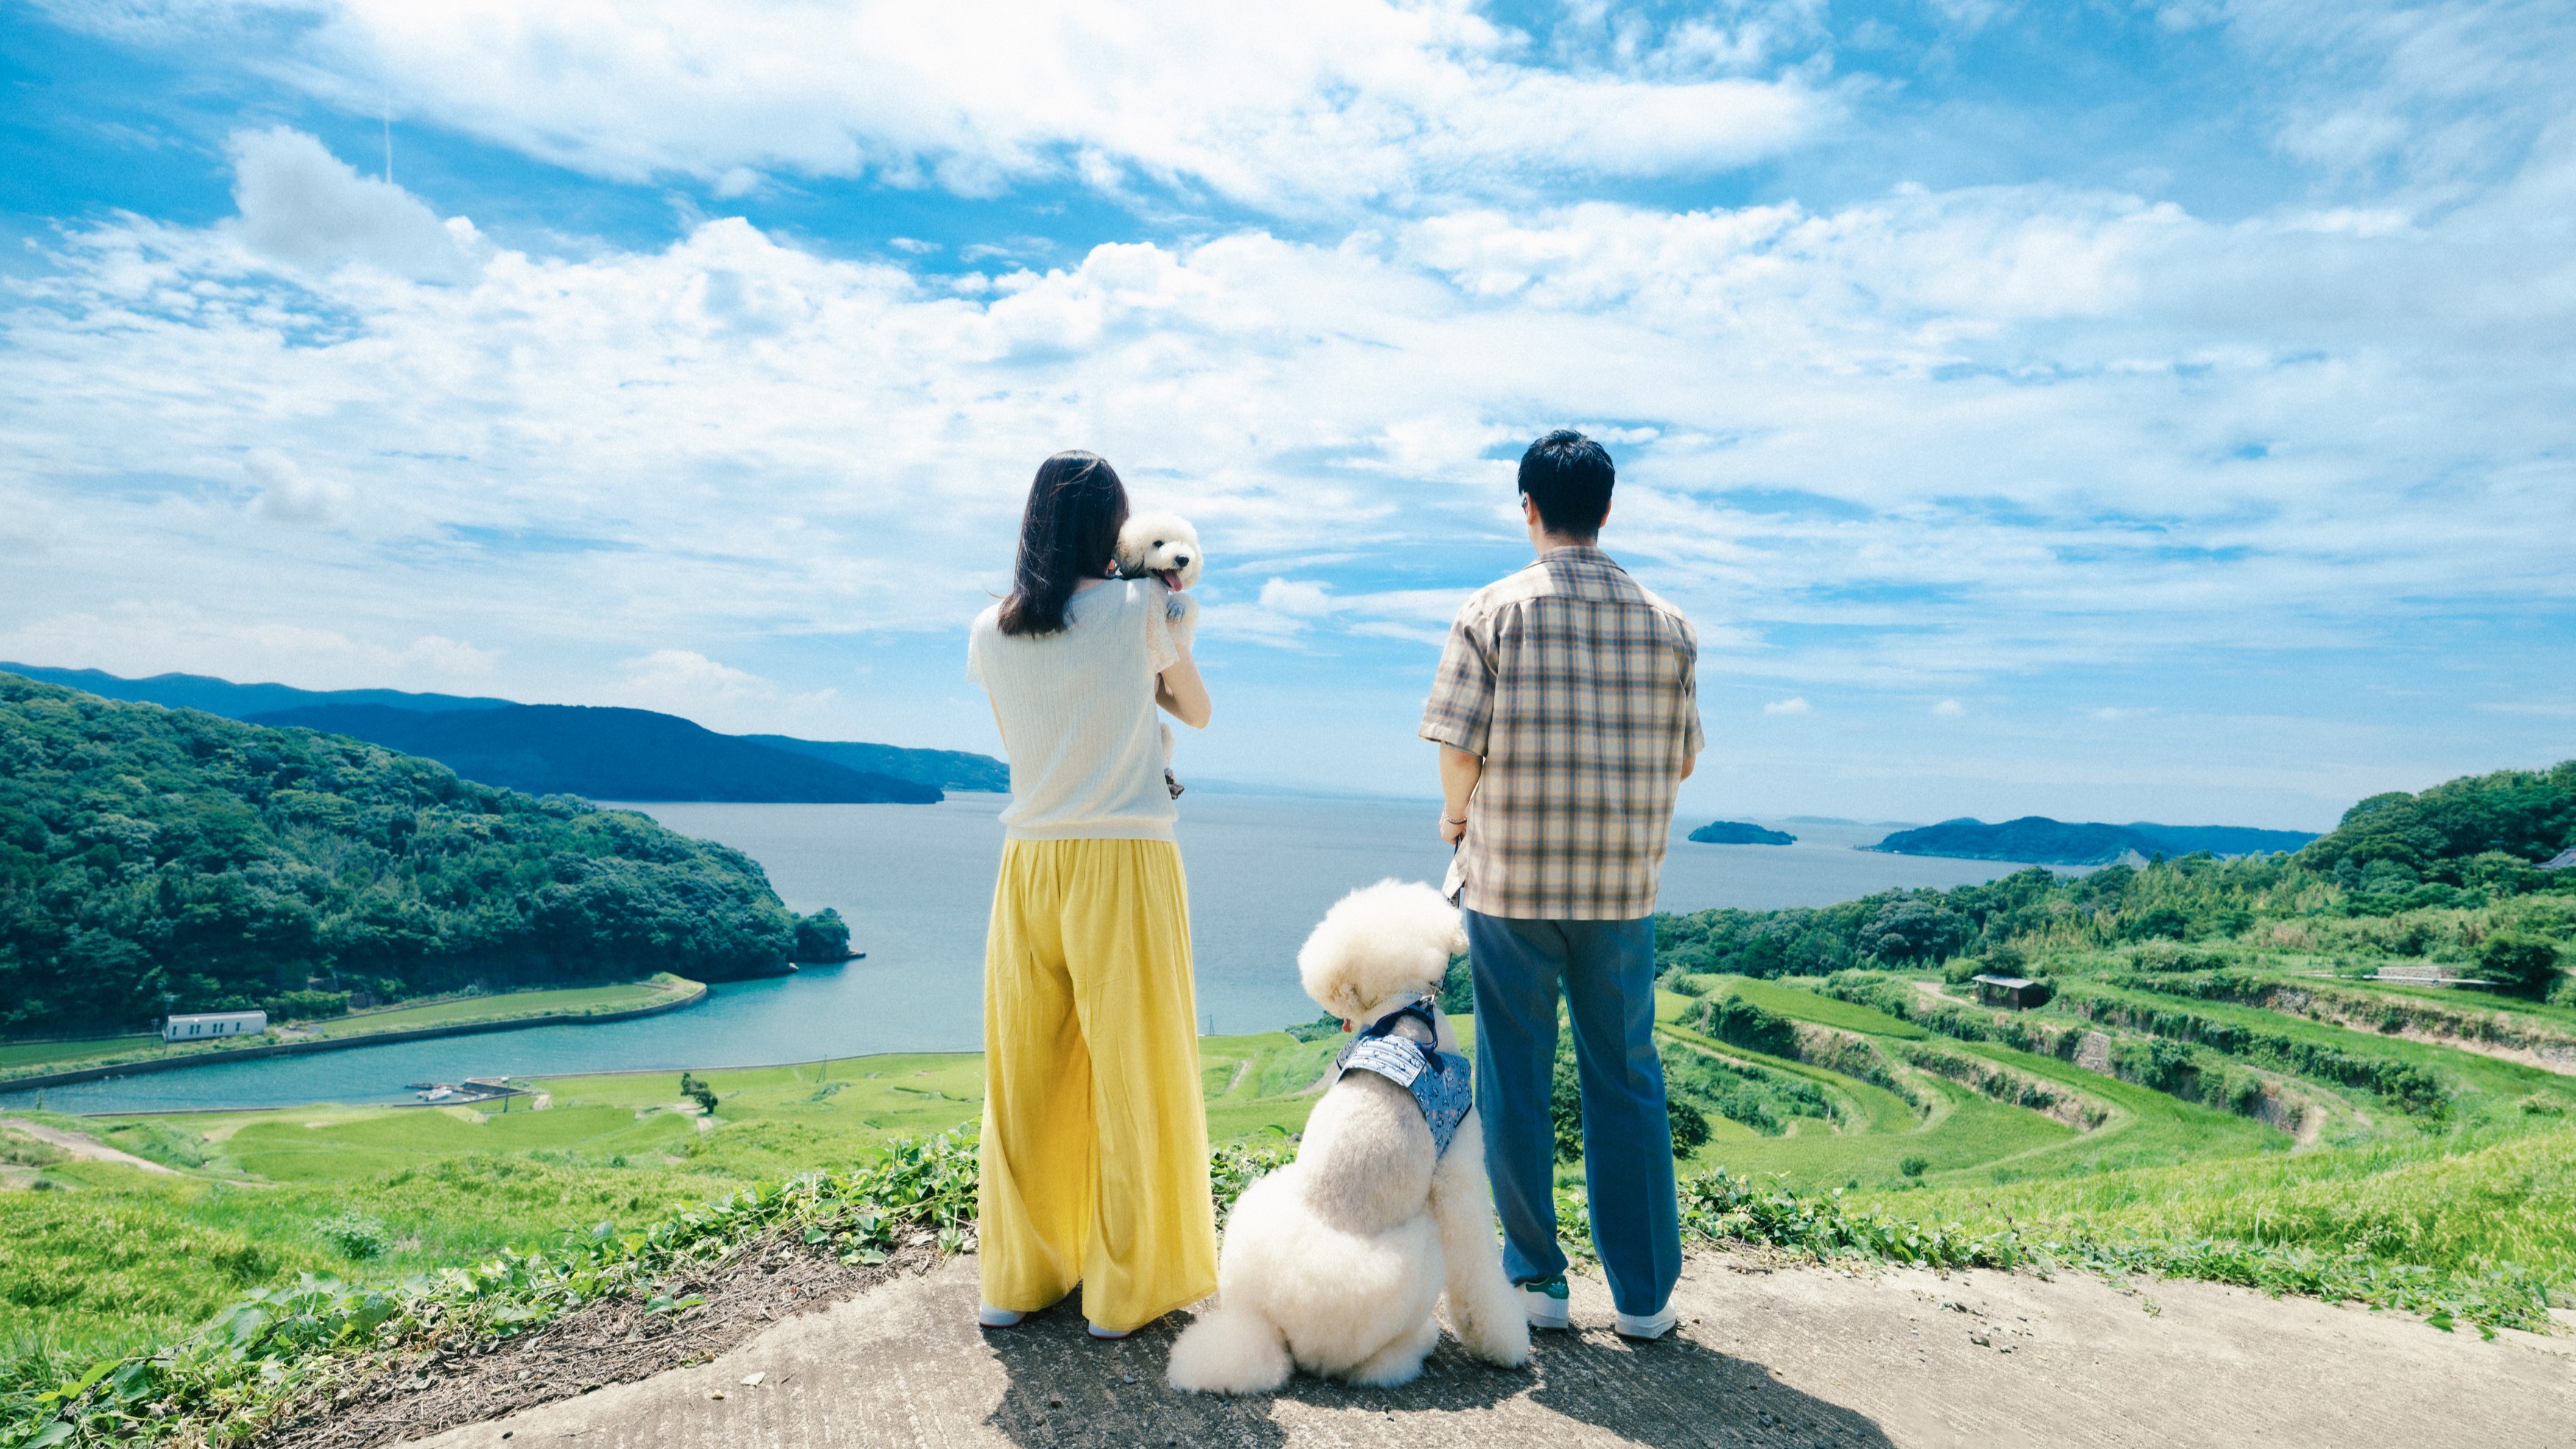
{"x":1171,"y":578}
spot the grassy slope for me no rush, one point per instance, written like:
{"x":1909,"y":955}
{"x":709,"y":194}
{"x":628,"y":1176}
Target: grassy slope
{"x":110,"y":1258}
{"x":2486,"y":1088}
{"x":2497,"y":1193}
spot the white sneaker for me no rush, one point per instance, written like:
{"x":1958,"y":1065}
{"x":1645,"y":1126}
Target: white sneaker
{"x":988,"y":1316}
{"x":1654,"y":1325}
{"x":1545,"y":1301}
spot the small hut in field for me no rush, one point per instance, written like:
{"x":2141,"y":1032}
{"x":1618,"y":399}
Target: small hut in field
{"x":2013,"y":991}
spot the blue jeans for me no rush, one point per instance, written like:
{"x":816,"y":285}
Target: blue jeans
{"x":1607,"y":971}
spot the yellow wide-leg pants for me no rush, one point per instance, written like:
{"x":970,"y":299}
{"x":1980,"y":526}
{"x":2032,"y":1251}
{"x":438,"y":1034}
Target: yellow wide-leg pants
{"x":1095,"y":1153}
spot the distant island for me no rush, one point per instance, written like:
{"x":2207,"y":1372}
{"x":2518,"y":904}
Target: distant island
{"x":599,"y":754}
{"x":605,"y":754}
{"x":155,"y":859}
{"x":1737,"y":832}
{"x":2042,"y":841}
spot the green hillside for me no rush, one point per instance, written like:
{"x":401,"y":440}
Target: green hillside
{"x":2221,"y":1087}
{"x":155,"y":859}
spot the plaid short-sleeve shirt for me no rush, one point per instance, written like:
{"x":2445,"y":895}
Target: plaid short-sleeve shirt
{"x":1580,"y":690}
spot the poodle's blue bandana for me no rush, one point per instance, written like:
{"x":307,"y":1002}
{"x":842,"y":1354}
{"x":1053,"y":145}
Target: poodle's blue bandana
{"x":1442,"y":1083}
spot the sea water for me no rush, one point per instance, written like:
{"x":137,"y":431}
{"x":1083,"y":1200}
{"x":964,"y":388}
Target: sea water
{"x":915,"y":883}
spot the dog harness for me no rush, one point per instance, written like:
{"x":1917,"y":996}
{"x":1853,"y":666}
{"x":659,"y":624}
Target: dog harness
{"x":1442,"y":1083}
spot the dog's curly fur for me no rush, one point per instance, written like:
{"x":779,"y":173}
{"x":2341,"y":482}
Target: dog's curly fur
{"x":1334,"y":1263}
{"x":1162,"y":545}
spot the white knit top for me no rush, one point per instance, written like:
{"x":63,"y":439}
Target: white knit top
{"x":1077,"y":712}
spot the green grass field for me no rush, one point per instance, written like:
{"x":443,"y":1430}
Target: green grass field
{"x":28,"y":1056}
{"x":567,"y":1001}
{"x":97,"y":1259}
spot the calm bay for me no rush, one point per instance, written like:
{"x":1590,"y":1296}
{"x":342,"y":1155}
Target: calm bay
{"x":915,"y":883}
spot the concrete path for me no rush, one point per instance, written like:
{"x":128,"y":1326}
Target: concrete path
{"x":1797,"y":1357}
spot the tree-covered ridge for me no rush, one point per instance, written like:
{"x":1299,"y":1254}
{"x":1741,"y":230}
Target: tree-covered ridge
{"x":2456,"y":832}
{"x":2445,"y":874}
{"x":2040,"y":840}
{"x":154,"y":859}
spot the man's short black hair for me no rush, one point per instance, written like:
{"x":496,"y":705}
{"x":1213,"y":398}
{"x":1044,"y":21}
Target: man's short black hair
{"x":1568,"y":476}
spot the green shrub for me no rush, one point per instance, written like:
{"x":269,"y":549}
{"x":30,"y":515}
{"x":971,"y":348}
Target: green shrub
{"x":306,"y":1005}
{"x":356,"y":1235}
{"x":1913,"y":1166}
{"x":2527,"y":963}
{"x":1565,"y":1103}
{"x":1689,"y":1126}
{"x":1457,"y":989}
{"x":1737,"y":1022}
{"x":698,"y":1092}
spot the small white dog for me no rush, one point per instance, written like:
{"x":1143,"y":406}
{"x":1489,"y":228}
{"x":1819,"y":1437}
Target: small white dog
{"x":1161,"y":544}
{"x":1164,"y":546}
{"x":1334,"y":1263}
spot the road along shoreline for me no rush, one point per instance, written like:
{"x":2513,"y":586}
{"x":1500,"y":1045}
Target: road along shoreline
{"x":345,"y":1043}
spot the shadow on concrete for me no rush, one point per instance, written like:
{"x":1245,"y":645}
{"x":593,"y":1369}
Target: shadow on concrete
{"x":1674,"y":1392}
{"x":1066,"y":1389}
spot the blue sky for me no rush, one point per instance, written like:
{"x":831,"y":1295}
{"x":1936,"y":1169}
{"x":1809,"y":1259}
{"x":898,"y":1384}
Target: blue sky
{"x":2101,"y":410}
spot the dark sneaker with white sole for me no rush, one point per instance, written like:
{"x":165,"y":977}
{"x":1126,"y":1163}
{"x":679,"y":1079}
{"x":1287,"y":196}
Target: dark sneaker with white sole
{"x":1545,"y":1302}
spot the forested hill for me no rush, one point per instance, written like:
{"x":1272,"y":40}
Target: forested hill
{"x":951,"y":769}
{"x":560,"y":757}
{"x":146,"y":851}
{"x":2453,"y":874}
{"x":236,"y":701}
{"x":2038,"y":839}
{"x":606,"y":754}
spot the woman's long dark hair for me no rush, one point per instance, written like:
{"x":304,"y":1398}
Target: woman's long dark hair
{"x":1076,"y":507}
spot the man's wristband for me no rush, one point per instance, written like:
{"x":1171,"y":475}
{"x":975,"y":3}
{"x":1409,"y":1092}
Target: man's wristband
{"x":1453,"y":819}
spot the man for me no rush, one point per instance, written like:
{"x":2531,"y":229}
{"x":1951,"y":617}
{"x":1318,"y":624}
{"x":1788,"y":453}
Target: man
{"x":1567,"y":715}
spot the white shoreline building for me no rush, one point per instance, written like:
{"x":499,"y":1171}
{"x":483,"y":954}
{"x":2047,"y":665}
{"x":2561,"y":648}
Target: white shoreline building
{"x":207,"y":1025}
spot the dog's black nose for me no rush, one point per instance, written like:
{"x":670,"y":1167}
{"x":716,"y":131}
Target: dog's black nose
{"x":1181,"y":559}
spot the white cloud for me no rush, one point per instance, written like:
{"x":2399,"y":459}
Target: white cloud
{"x":1795,"y":704}
{"x":288,"y":494}
{"x":1930,"y":438}
{"x":1298,"y":599}
{"x":1332,"y":102}
{"x":1949,"y":709}
{"x":138,"y":637}
{"x":719,"y":696}
{"x":304,"y":207}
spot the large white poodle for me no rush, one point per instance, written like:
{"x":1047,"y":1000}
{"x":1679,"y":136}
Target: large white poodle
{"x":1334,"y":1263}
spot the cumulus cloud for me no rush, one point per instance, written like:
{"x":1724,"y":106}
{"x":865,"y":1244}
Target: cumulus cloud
{"x":302,"y":206}
{"x":1334,"y":102}
{"x":1910,"y":440}
{"x":288,"y":494}
{"x":1935,"y":436}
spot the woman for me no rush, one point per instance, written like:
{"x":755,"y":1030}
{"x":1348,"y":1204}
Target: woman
{"x":1095,"y":1165}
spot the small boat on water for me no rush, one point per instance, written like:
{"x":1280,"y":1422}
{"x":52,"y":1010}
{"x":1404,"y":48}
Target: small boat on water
{"x":472,"y":1089}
